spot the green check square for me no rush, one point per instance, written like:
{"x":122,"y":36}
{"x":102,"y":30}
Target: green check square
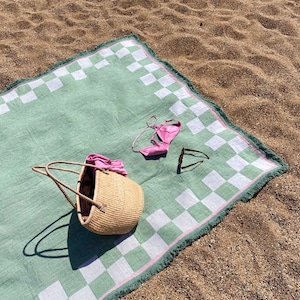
{"x":226,"y":152}
{"x":251,"y":172}
{"x":207,"y":118}
{"x":141,"y":72}
{"x":199,"y":211}
{"x":188,"y":102}
{"x":73,"y":67}
{"x":96,"y":58}
{"x":159,"y":73}
{"x":73,"y":283}
{"x":226,"y":191}
{"x":91,"y":72}
{"x":41,"y":91}
{"x":22,"y":90}
{"x":204,"y":136}
{"x":145,"y":231}
{"x":144,"y":62}
{"x":186,"y":117}
{"x":127,"y":60}
{"x":67,"y":79}
{"x":133,"y":48}
{"x":116,"y":47}
{"x":155,"y":86}
{"x":224,"y":169}
{"x":169,"y":232}
{"x":199,"y":188}
{"x":110,"y":257}
{"x":50,"y":76}
{"x":112,"y":59}
{"x":102,"y":284}
{"x":227,"y":135}
{"x":171,"y":98}
{"x":137,"y":258}
{"x":249,"y":155}
{"x":177,"y":210}
{"x":174,"y":87}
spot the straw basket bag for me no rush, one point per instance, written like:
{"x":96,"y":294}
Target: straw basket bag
{"x":107,"y":203}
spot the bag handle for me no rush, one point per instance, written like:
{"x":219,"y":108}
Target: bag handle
{"x":60,"y":183}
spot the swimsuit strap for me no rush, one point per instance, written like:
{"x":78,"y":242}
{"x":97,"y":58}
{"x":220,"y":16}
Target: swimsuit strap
{"x":153,"y":125}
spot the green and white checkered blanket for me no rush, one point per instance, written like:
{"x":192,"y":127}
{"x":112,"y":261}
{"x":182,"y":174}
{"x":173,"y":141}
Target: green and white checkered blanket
{"x":97,"y":102}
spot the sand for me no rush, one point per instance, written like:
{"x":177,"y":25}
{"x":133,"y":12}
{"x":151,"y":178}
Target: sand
{"x":245,"y":56}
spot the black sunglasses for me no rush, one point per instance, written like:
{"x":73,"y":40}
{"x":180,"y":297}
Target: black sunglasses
{"x":183,"y":151}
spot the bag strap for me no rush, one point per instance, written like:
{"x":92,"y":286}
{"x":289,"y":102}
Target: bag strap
{"x":60,"y":183}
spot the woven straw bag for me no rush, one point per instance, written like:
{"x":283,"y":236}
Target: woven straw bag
{"x":107,"y":203}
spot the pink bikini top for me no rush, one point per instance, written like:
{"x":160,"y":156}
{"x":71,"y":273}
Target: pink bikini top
{"x":166,"y":132}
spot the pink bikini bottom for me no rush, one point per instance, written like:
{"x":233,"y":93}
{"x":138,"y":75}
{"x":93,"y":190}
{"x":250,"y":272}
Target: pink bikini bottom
{"x":106,"y":163}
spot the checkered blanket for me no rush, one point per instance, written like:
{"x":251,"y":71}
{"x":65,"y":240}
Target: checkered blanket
{"x":98,"y":102}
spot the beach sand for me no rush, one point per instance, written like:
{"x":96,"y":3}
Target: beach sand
{"x":243,"y":55}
